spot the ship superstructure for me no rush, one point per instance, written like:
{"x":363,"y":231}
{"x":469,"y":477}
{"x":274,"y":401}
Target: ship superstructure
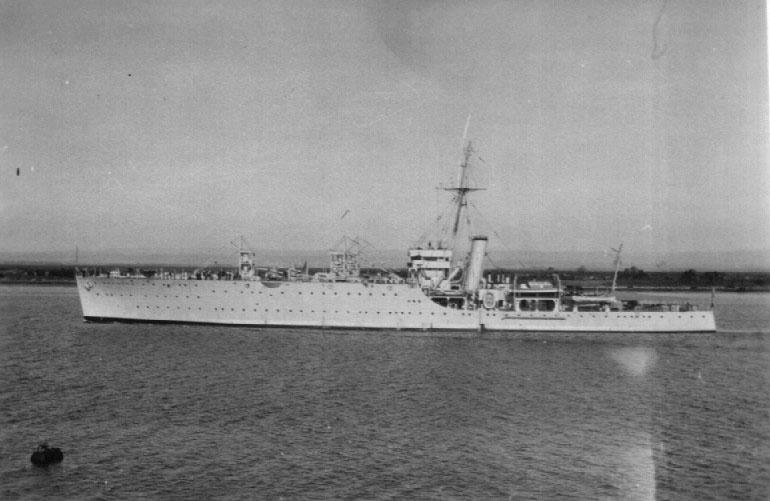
{"x":439,"y":292}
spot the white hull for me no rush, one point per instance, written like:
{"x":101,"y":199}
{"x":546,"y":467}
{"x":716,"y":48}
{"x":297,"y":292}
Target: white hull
{"x":342,"y":305}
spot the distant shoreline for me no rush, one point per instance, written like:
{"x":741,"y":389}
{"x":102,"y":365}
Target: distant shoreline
{"x":677,"y":290}
{"x":42,"y":283}
{"x":629,"y":280}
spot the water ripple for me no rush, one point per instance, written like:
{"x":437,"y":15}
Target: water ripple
{"x":177,"y":412}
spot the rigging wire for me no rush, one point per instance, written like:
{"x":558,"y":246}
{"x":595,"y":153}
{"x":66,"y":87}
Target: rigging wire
{"x":439,"y":222}
{"x":363,"y":245}
{"x":495,"y":232}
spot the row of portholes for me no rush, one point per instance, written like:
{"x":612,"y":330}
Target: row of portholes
{"x":189,"y":283}
{"x":166,"y":285}
{"x":323,"y":293}
{"x":213,"y":291}
{"x":638,"y":317}
{"x":278,"y":310}
{"x":260,"y":292}
{"x":145,"y":295}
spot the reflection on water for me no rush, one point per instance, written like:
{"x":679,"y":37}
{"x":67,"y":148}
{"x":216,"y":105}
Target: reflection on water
{"x":635,"y":361}
{"x":639,"y":467}
{"x":189,"y":412}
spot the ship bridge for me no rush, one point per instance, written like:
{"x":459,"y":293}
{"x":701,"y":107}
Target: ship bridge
{"x":430,"y":266}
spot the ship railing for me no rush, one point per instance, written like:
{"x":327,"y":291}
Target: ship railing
{"x":662,"y":307}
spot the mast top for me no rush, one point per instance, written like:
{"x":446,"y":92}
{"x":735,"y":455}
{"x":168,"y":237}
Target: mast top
{"x":462,"y":188}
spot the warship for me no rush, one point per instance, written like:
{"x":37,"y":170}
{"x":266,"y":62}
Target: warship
{"x":437,"y":293}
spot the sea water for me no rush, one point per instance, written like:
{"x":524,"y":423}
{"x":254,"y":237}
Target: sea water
{"x":180,"y":412}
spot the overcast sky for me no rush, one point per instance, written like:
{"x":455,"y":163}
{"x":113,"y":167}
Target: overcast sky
{"x":176,"y":126}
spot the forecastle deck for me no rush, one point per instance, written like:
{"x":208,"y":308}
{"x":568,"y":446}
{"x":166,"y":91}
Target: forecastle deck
{"x":342,"y":305}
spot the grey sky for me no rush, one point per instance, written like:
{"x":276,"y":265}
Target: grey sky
{"x":179,"y":125}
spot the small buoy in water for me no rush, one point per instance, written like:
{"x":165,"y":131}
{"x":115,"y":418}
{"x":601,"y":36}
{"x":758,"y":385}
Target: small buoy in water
{"x":45,"y":455}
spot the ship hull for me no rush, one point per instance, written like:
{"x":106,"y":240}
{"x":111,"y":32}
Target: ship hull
{"x":352,"y":305}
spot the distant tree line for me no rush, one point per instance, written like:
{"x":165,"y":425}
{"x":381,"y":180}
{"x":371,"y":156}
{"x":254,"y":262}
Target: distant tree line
{"x":627,"y":278}
{"x":692,"y":279}
{"x":636,"y":277}
{"x":37,"y":273}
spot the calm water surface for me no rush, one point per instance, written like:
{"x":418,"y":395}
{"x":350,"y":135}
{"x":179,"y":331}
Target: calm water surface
{"x":179,"y":412}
